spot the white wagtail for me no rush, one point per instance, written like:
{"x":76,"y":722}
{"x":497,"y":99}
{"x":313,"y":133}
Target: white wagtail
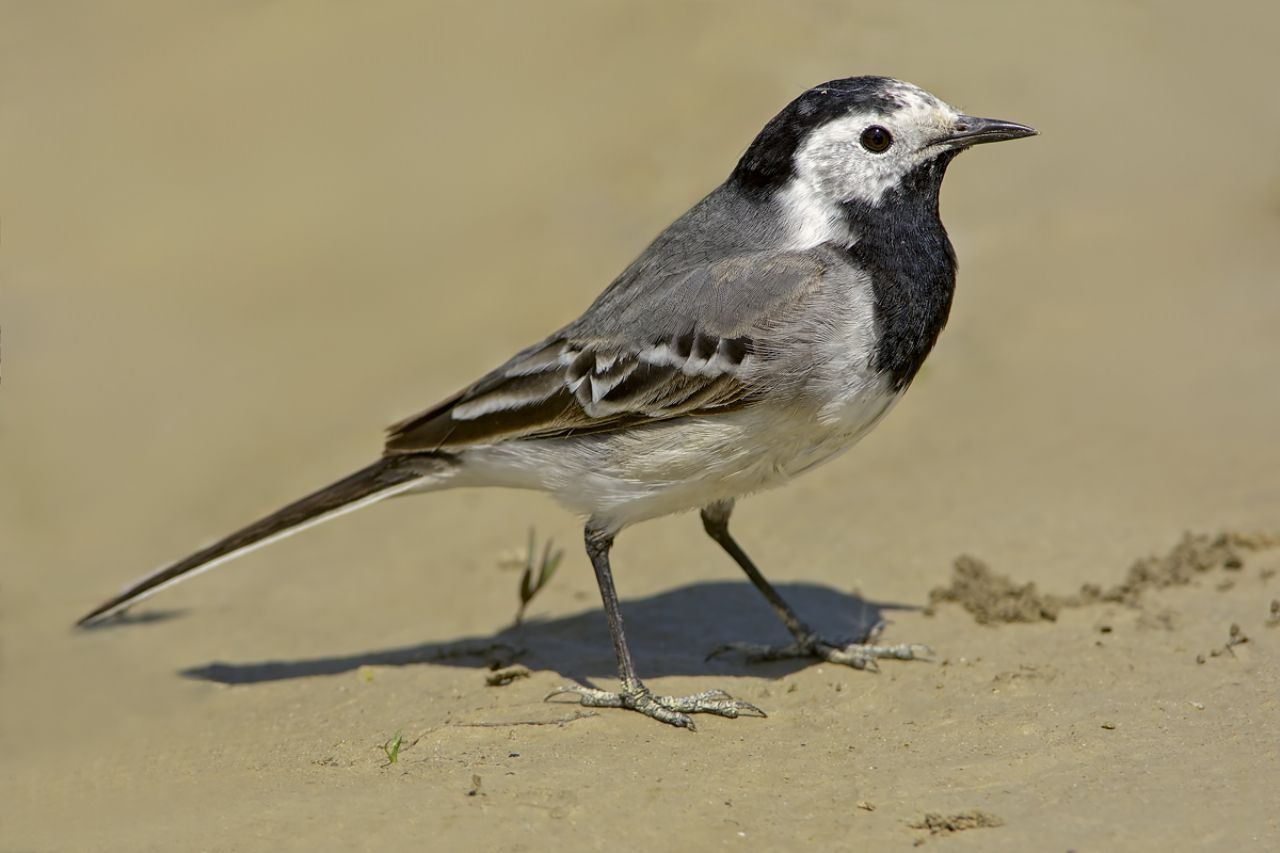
{"x":761,"y":334}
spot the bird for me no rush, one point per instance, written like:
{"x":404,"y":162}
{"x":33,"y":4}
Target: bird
{"x":765,"y":331}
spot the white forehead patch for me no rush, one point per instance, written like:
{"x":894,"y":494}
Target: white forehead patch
{"x":833,"y":167}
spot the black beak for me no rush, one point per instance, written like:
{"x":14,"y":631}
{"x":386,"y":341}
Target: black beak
{"x":970,"y":130}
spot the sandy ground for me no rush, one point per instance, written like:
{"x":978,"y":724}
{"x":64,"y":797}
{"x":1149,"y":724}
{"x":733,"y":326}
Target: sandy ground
{"x":240,"y":238}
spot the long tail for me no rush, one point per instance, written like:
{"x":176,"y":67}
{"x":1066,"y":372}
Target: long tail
{"x":384,"y":478}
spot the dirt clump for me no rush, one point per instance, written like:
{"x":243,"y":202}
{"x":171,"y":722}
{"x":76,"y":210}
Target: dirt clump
{"x":939,"y":823}
{"x":994,"y":598}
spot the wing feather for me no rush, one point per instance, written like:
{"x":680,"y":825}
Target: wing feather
{"x":697,"y":349}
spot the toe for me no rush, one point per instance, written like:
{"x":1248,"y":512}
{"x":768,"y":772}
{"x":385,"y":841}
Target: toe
{"x":711,"y":702}
{"x":589,"y":697}
{"x":655,"y":707}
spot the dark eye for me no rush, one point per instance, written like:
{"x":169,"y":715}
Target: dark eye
{"x":876,"y":139}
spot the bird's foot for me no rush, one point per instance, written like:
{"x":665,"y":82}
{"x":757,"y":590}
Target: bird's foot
{"x":674,"y":710}
{"x":861,"y":654}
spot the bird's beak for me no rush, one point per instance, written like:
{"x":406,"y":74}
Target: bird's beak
{"x":971,"y":130}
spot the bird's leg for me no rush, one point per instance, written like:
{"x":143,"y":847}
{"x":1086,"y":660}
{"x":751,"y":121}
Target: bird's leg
{"x":633,"y":694}
{"x":859,"y":653}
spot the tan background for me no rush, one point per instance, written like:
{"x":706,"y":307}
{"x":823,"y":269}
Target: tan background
{"x":240,"y":238}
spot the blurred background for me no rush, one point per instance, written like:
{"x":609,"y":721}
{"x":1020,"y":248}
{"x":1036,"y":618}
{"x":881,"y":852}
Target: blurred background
{"x":238,"y":239}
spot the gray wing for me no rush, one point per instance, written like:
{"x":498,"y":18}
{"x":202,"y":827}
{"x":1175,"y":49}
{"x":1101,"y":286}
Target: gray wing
{"x":683,"y":344}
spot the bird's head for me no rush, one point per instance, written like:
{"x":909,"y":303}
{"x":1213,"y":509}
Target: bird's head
{"x":856,"y":140}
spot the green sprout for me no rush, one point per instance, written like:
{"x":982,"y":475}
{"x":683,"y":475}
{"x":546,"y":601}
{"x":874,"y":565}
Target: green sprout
{"x":392,"y":748}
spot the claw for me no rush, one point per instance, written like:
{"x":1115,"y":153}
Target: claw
{"x":717,"y":651}
{"x":673,"y":710}
{"x":588,"y":696}
{"x":859,"y":655}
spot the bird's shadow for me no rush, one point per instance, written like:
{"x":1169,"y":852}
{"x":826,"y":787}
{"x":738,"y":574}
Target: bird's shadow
{"x":126,"y":618}
{"x":670,"y":633}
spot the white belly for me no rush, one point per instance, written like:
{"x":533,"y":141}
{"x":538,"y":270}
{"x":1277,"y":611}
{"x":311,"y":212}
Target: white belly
{"x":623,"y":478}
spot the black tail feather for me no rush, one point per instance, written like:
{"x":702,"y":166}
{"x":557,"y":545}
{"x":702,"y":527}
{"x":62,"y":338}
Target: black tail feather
{"x":381,"y":479}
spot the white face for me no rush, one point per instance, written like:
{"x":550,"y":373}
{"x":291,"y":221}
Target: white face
{"x":836,"y":165}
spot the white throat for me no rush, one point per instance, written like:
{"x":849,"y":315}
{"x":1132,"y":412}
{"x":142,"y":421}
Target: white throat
{"x":810,"y":218}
